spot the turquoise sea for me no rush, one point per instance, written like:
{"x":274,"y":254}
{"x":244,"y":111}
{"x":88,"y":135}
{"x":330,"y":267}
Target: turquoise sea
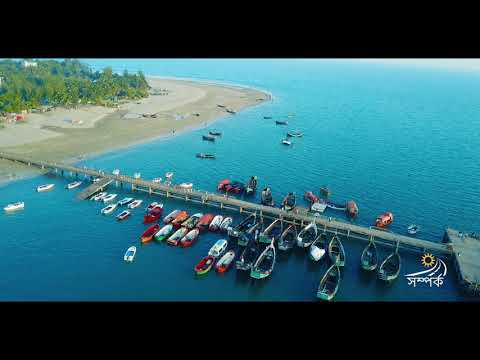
{"x":399,"y":139}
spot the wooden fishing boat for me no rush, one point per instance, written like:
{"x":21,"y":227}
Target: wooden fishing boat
{"x":148,"y":234}
{"x":289,"y":202}
{"x":235,"y":186}
{"x":286,"y":142}
{"x":328,"y":287}
{"x":288,"y":238}
{"x":250,"y":233}
{"x":310,"y":196}
{"x":151,"y":206}
{"x":336,"y":251}
{"x":185,"y":186}
{"x":180,"y":218}
{"x":157,"y":180}
{"x":130,"y":254}
{"x":318,"y":248}
{"x":248,"y":256}
{"x":204,"y":265}
{"x":267,"y":199}
{"x":243,"y":226}
{"x":215,"y":224}
{"x":336,"y":206}
{"x":352,"y":208}
{"x":188,"y":239}
{"x":208,"y":138}
{"x":281,"y":122}
{"x":215,"y":133}
{"x":164,"y":232}
{"x":204,"y":222}
{"x":384,"y":220}
{"x":222,"y":184}
{"x":325,"y":191}
{"x":295,"y":133}
{"x":265,"y":263}
{"x":123,"y":215}
{"x":273,"y":231}
{"x":109,"y":209}
{"x":125,"y":201}
{"x":177,"y":235}
{"x":74,"y":185}
{"x":307,"y":235}
{"x":369,"y":258}
{"x":15,"y":206}
{"x":192,"y":221}
{"x":390,"y":267}
{"x":225,"y":261}
{"x":225,"y":225}
{"x":170,"y":217}
{"x":45,"y":187}
{"x":109,"y":197}
{"x":218,"y":248}
{"x":251,"y":186}
{"x":154,"y":214}
{"x":135,"y":203}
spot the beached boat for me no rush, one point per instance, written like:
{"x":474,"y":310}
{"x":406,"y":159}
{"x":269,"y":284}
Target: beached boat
{"x":164,"y":232}
{"x":295,"y":133}
{"x":123,"y":215}
{"x":310,"y":196}
{"x":231,"y":111}
{"x":267,"y":199}
{"x":289,"y":202}
{"x":192,"y":221}
{"x":109,"y":209}
{"x":125,"y":201}
{"x":177,"y":235}
{"x":218,"y":248}
{"x":286,"y":142}
{"x":307,"y":235}
{"x":273,"y":231}
{"x":185,"y":186}
{"x":15,"y":206}
{"x":45,"y":187}
{"x":204,"y":222}
{"x":384,"y":220}
{"x":154,"y":214}
{"x":226,"y":223}
{"x":413,"y":229}
{"x":74,"y":185}
{"x":179,"y":218}
{"x":318,"y":248}
{"x":130,"y":254}
{"x":109,"y":197}
{"x":205,"y":156}
{"x":390,"y":267}
{"x":288,"y":238}
{"x":222,"y":184}
{"x":281,"y":122}
{"x":265,"y":263}
{"x":215,"y":133}
{"x":225,"y":261}
{"x":247,"y":235}
{"x":216,"y":222}
{"x":149,"y":233}
{"x":208,"y":138}
{"x":352,"y":208}
{"x":135,"y":203}
{"x":369,"y":258}
{"x":325,"y":191}
{"x":189,"y":238}
{"x":328,"y":287}
{"x":99,"y":196}
{"x":204,"y":265}
{"x":251,"y":186}
{"x":243,"y":226}
{"x":336,"y":251}
{"x":248,"y":256}
{"x":170,"y":217}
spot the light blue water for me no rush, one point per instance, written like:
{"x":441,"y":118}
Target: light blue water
{"x":392,"y":138}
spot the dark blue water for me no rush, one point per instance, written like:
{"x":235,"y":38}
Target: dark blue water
{"x":392,"y":138}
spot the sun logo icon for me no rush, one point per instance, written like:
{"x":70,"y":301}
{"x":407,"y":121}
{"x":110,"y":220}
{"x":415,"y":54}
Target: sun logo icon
{"x":428,"y":260}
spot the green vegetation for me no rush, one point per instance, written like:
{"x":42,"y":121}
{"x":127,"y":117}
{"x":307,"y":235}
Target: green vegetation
{"x":66,"y":83}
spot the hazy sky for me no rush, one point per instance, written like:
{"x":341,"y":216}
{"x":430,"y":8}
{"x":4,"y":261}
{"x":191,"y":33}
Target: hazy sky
{"x":453,"y":64}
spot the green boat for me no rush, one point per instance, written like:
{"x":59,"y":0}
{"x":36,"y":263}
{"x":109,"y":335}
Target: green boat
{"x":164,"y":232}
{"x":265,"y":263}
{"x":274,"y":230}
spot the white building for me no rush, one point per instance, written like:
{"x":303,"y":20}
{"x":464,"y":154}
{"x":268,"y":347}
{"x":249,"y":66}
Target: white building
{"x":29,"y":64}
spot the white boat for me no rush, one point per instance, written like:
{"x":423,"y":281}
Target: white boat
{"x":307,"y":236}
{"x":116,"y":172}
{"x":125,"y":201}
{"x":15,"y":206}
{"x":123,"y":215}
{"x":225,"y":261}
{"x":157,"y":180}
{"x":99,"y":196}
{"x":185,"y":186}
{"x":318,"y":207}
{"x":317,"y":249}
{"x":413,"y":229}
{"x":130,"y":254}
{"x":97,"y":179}
{"x":226,"y":223}
{"x":216,"y":222}
{"x":169,"y":175}
{"x":152,"y":206}
{"x":108,"y":209}
{"x":218,"y":248}
{"x":109,"y":197}
{"x":74,"y":185}
{"x":286,"y":142}
{"x":134,"y":204}
{"x":45,"y":187}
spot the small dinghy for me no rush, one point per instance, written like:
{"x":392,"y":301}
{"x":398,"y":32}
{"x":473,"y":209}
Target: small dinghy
{"x":336,"y":251}
{"x":289,"y":202}
{"x":109,"y":197}
{"x":147,"y":236}
{"x":413,"y":229}
{"x":168,"y":176}
{"x":135,"y":203}
{"x":384,"y":220}
{"x":216,"y":223}
{"x":318,"y":248}
{"x":205,"y":156}
{"x":281,"y":122}
{"x":208,"y":138}
{"x":288,"y":238}
{"x":154,"y":214}
{"x":265,"y":263}
{"x":185,"y":186}
{"x":192,"y":221}
{"x":204,"y":265}
{"x":223,"y":184}
{"x":46,"y":187}
{"x":390,"y":267}
{"x":74,"y":185}
{"x":180,"y":218}
{"x":328,"y":287}
{"x":369,"y":259}
{"x":307,"y":235}
{"x":225,"y":261}
{"x":286,"y":142}
{"x":267,"y":199}
{"x":226,"y":223}
{"x":251,"y":186}
{"x":204,"y":222}
{"x":125,"y":201}
{"x":310,"y":197}
{"x":215,"y":133}
{"x":273,"y":231}
{"x":170,"y":217}
{"x":352,"y":209}
{"x":109,"y":209}
{"x":218,"y":248}
{"x":295,"y":133}
{"x":15,"y":206}
{"x":99,"y":196}
{"x":164,"y":232}
{"x":123,"y":215}
{"x":188,"y":239}
{"x":130,"y":254}
{"x":97,"y":179}
{"x":177,"y":235}
{"x":248,"y":256}
{"x":248,"y":222}
{"x":236,"y":187}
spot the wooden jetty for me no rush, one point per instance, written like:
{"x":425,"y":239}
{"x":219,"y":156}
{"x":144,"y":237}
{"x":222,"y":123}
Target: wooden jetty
{"x":94,"y":188}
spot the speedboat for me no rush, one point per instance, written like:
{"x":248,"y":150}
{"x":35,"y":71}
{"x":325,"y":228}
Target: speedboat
{"x":46,"y":187}
{"x":164,"y":232}
{"x":170,"y":217}
{"x":307,"y":236}
{"x":226,"y":224}
{"x":286,"y":142}
{"x":149,"y":233}
{"x":267,"y":197}
{"x":177,"y":235}
{"x":15,"y":206}
{"x":318,"y":248}
{"x":188,"y":239}
{"x":74,"y":185}
{"x":413,"y":229}
{"x":135,"y":203}
{"x":204,"y":222}
{"x":216,"y":222}
{"x":384,"y":220}
{"x":151,"y":206}
{"x":281,"y":122}
{"x":251,"y":185}
{"x":130,"y":254}
{"x":192,"y":221}
{"x":99,"y":196}
{"x":225,"y":261}
{"x":222,"y":184}
{"x":108,"y":209}
{"x":352,"y":208}
{"x":125,"y":201}
{"x":289,"y":202}
{"x":123,"y":215}
{"x":218,"y":248}
{"x":153,"y":215}
{"x":204,"y":265}
{"x":295,"y":133}
{"x":208,"y":137}
{"x":109,"y":197}
{"x":186,"y":186}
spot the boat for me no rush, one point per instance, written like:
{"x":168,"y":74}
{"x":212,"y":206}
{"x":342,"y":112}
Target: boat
{"x":325,"y":191}
{"x":108,"y":209}
{"x":218,"y":248}
{"x":336,"y":251}
{"x":307,"y":235}
{"x":222,"y":184}
{"x":235,"y":187}
{"x":130,"y":254}
{"x":185,"y":186}
{"x":109,"y":197}
{"x":243,"y":226}
{"x":295,"y":133}
{"x":318,"y":207}
{"x":164,"y":232}
{"x":208,"y":137}
{"x":267,"y":197}
{"x":154,"y":215}
{"x":265,"y":263}
{"x":157,"y":180}
{"x":225,"y":225}
{"x":177,"y":235}
{"x":15,"y":206}
{"x":267,"y":117}
{"x":250,"y":233}
{"x":220,"y":105}
{"x":95,"y":180}
{"x":180,"y":218}
{"x":170,"y":217}
{"x":135,"y":203}
{"x":384,"y":220}
{"x":369,"y":258}
{"x":205,"y":221}
{"x":99,"y":196}
{"x":328,"y":287}
{"x":288,"y":238}
{"x":335,"y":206}
{"x":74,"y":185}
{"x":281,"y":122}
{"x":251,"y":185}
{"x":248,"y":256}
{"x":413,"y":229}
{"x":318,"y":248}
{"x":273,"y":231}
{"x":45,"y":187}
{"x":169,"y":175}
{"x":123,"y":215}
{"x":390,"y":267}
{"x":151,"y":206}
{"x":205,"y":156}
{"x":116,"y":172}
{"x":192,"y":221}
{"x":149,"y":233}
{"x":189,"y":238}
{"x":216,"y":223}
{"x":289,"y":202}
{"x":215,"y":133}
{"x":204,"y":265}
{"x":310,"y":196}
{"x":352,"y":208}
{"x":286,"y":142}
{"x":225,"y":261}
{"x":125,"y":201}
{"x":231,"y":111}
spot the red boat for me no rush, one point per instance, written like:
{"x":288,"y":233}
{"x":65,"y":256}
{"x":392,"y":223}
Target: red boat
{"x":188,"y":239}
{"x":153,"y":215}
{"x":204,"y":265}
{"x":205,"y":221}
{"x":222,"y":184}
{"x":384,"y":220}
{"x":352,"y":208}
{"x":148,"y":234}
{"x":180,"y":218}
{"x":310,"y":196}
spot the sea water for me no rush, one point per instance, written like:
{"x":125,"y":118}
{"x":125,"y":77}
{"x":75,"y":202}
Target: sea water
{"x":399,"y":139}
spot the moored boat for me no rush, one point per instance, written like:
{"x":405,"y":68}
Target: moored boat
{"x":216,"y":222}
{"x":273,"y":231}
{"x":247,"y":235}
{"x":251,"y":185}
{"x":369,"y":258}
{"x":310,"y":196}
{"x":336,"y":251}
{"x":267,"y":199}
{"x":243,"y":226}
{"x":248,"y":256}
{"x":328,"y":287}
{"x":390,"y":267}
{"x":109,"y":197}
{"x":205,"y":156}
{"x":185,"y":186}
{"x":149,"y":233}
{"x":164,"y":232}
{"x":177,"y":235}
{"x":170,"y":217}
{"x":318,"y":207}
{"x":225,"y":261}
{"x":74,"y":185}
{"x":218,"y":248}
{"x":225,"y":225}
{"x":109,"y":209}
{"x":307,"y":235}
{"x":351,"y":208}
{"x":151,"y":206}
{"x":189,"y":238}
{"x":45,"y":187}
{"x":281,"y":122}
{"x":15,"y":206}
{"x":204,"y":265}
{"x":123,"y":215}
{"x":130,"y":254}
{"x":192,"y":221}
{"x":318,"y":248}
{"x":384,"y":220}
{"x":335,"y":206}
{"x":99,"y":196}
{"x":215,"y":133}
{"x":265,"y":263}
{"x":235,"y":187}
{"x":288,"y":238}
{"x":179,"y":218}
{"x":289,"y":202}
{"x":154,"y":214}
{"x":325,"y":191}
{"x":222,"y":184}
{"x":413,"y":229}
{"x":125,"y":201}
{"x":157,"y":180}
{"x":205,"y":221}
{"x":295,"y":133}
{"x":286,"y":142}
{"x":135,"y":203}
{"x":208,"y":138}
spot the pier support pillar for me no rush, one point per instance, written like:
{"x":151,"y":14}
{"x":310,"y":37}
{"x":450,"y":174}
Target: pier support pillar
{"x":167,"y":194}
{"x":221,"y":205}
{"x":133,"y":188}
{"x":61,"y":172}
{"x":348,"y":233}
{"x":150,"y":190}
{"x":241,"y":210}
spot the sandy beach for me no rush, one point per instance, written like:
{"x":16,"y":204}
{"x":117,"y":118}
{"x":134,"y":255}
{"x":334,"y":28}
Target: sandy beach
{"x":66,"y":135}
